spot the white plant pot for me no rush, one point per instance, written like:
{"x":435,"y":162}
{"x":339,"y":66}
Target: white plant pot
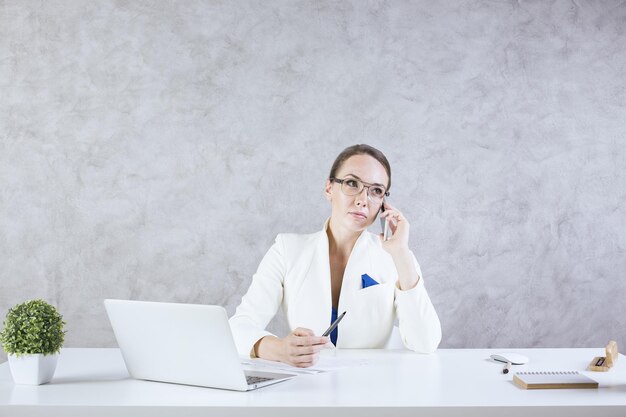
{"x":33,"y":369}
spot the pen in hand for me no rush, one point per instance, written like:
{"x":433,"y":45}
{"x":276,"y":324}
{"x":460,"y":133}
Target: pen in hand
{"x":334,"y":324}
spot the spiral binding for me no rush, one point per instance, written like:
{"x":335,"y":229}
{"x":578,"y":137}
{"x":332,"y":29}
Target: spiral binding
{"x":550,"y":373}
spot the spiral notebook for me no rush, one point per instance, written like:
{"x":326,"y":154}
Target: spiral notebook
{"x":553,"y":380}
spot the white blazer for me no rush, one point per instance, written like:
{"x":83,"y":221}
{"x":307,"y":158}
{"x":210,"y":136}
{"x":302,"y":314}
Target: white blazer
{"x":295,"y":273}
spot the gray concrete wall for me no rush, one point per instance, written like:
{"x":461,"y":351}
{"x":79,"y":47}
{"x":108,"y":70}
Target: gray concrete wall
{"x":152,"y":150}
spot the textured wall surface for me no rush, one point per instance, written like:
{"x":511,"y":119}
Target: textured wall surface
{"x":153,"y":149}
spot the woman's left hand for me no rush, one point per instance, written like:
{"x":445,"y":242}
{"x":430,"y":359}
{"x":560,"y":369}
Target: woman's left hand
{"x":398,"y":247}
{"x":399,"y":241}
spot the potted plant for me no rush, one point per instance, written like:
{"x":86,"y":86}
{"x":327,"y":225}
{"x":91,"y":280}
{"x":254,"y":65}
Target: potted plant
{"x":32,"y":337}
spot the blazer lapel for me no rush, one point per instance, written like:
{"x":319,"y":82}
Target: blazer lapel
{"x":360,"y":262}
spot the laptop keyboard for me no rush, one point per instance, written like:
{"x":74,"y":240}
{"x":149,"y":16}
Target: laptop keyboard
{"x":256,"y":379}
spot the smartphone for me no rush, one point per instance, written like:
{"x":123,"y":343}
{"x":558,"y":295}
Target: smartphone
{"x":384,"y":224}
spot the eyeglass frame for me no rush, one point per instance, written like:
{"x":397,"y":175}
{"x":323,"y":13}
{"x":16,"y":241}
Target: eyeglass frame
{"x":364,"y":185}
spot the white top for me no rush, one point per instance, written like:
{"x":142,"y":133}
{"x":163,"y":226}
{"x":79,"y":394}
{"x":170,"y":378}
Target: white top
{"x":295,"y":274}
{"x":449,"y":382}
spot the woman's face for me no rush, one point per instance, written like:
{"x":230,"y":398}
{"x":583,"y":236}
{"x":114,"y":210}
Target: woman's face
{"x":355,"y":213}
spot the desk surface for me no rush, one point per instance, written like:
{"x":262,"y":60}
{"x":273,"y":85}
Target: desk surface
{"x":448,"y":382}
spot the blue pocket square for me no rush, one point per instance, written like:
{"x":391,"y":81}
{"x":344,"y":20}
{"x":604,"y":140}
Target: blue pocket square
{"x":367,"y":281}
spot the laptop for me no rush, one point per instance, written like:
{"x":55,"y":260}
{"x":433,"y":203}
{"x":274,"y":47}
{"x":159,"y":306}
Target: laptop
{"x":183,"y":344}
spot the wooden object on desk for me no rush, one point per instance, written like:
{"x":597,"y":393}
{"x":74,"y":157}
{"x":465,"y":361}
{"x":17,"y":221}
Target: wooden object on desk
{"x":605,"y":363}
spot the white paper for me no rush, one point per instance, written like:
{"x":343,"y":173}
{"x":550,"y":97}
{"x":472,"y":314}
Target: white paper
{"x":326,"y":363}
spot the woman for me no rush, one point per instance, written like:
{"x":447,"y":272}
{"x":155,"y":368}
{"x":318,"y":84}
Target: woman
{"x":341,"y":268}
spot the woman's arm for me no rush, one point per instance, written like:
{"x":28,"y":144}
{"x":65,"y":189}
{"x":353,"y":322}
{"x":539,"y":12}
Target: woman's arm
{"x":398,"y":247}
{"x":259,"y":305}
{"x":262,"y":300}
{"x":419,"y":324}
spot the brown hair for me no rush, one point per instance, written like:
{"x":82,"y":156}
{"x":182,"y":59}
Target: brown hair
{"x":361,"y":149}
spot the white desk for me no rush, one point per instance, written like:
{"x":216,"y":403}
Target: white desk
{"x":94,"y":382}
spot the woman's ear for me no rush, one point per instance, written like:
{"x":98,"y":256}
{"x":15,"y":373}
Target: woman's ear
{"x":328,"y":190}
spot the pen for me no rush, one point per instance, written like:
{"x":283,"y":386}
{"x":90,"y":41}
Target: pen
{"x":334,"y":324}
{"x":507,"y":367}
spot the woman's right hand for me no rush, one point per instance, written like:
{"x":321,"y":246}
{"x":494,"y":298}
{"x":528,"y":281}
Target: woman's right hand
{"x":300,"y":348}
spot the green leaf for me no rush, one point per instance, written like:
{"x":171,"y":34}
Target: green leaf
{"x":32,"y":327}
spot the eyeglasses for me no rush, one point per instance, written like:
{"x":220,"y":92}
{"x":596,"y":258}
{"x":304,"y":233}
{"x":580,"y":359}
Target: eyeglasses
{"x":352,"y":186}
